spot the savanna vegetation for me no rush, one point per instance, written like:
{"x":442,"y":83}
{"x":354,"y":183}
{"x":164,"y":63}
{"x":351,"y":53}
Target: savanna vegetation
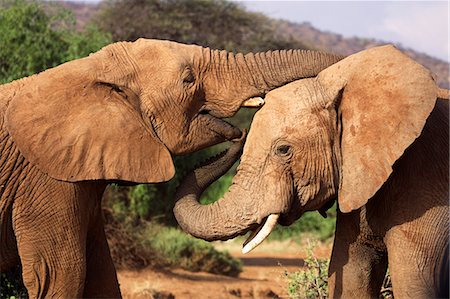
{"x":311,"y":281}
{"x":140,"y":225}
{"x":35,"y":39}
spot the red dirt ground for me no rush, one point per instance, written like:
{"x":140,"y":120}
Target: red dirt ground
{"x":262,"y":276}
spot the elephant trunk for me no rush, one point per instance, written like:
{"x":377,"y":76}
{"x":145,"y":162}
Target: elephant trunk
{"x":275,"y":68}
{"x":243,"y":77}
{"x":221,"y":220}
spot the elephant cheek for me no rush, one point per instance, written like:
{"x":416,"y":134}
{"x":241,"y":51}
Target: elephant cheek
{"x":283,"y":199}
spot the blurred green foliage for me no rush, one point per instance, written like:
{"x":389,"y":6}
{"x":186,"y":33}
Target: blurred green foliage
{"x":218,"y":24}
{"x":34,"y":39}
{"x":137,"y":244}
{"x":310,"y":223}
{"x":190,"y":253}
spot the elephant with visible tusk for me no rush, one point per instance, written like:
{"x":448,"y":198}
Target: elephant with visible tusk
{"x":371,"y":132}
{"x":116,"y":116}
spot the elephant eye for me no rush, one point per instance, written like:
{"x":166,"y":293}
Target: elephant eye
{"x":283,"y":150}
{"x":189,"y":77}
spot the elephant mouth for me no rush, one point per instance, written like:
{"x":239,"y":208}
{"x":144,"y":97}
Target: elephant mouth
{"x":288,"y":218}
{"x":263,"y":230}
{"x":258,"y":235}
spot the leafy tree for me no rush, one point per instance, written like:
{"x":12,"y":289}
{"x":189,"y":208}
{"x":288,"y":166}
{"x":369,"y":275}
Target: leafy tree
{"x":36,"y":37}
{"x":217,"y":24}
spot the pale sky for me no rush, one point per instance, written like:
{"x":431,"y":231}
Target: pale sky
{"x":420,"y":25}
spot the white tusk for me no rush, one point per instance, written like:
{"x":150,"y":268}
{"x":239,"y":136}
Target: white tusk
{"x":261,"y":234}
{"x":253,"y":102}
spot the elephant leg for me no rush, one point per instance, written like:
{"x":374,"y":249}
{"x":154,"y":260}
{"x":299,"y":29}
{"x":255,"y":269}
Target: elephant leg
{"x":405,"y":276}
{"x":358,"y":262}
{"x":416,"y":265}
{"x":101,"y":279}
{"x":50,"y":225}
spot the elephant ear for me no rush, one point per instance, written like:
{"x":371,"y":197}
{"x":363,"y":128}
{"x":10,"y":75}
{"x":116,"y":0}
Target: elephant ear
{"x":75,"y":129}
{"x":384,"y":106}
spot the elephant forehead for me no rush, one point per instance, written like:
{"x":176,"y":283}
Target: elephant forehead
{"x":271,"y":118}
{"x":297,"y":95}
{"x":264,"y":129}
{"x":271,"y":123}
{"x":284,"y":116}
{"x":164,"y":53}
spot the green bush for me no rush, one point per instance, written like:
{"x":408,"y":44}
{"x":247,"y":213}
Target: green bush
{"x":190,"y":253}
{"x":137,"y":244}
{"x":35,"y":37}
{"x":311,"y":282}
{"x":140,"y":199}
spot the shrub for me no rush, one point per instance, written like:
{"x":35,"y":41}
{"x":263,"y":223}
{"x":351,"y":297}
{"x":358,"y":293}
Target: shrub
{"x":311,"y":282}
{"x":126,"y":247}
{"x":137,"y":244}
{"x":189,"y":253}
{"x":140,"y":198}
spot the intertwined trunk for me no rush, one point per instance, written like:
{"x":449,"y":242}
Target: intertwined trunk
{"x":229,"y":80}
{"x":230,"y":216}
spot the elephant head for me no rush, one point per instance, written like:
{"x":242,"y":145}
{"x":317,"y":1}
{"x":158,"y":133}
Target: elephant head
{"x":315,"y":140}
{"x":120,"y":113}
